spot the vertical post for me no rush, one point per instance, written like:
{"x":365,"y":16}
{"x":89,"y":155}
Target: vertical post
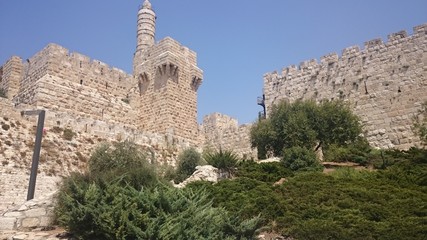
{"x":36,"y":155}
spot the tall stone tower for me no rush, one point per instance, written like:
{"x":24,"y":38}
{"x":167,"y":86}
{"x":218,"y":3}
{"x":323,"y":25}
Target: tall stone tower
{"x":168,"y":80}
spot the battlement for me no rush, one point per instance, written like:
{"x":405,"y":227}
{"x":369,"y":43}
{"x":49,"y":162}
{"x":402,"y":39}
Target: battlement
{"x":332,"y":59}
{"x":78,"y":61}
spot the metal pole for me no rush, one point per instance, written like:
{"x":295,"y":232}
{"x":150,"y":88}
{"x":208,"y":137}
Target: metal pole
{"x":36,"y":155}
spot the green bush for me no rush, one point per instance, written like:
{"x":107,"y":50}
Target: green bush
{"x":113,"y":211}
{"x":120,"y":197}
{"x":264,"y":172}
{"x":357,"y":152}
{"x":3,"y":93}
{"x":300,"y":158}
{"x":225,"y":161}
{"x":345,"y":204}
{"x":123,"y":159}
{"x":187,"y":162}
{"x":68,"y":134}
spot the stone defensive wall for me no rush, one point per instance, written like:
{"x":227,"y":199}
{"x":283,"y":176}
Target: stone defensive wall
{"x":385,"y":83}
{"x":223,"y":132}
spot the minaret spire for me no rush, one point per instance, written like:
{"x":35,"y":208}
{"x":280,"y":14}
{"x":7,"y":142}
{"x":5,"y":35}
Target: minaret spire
{"x":146,"y":28}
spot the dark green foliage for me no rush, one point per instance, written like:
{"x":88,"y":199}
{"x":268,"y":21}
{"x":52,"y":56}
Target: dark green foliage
{"x":113,"y":211}
{"x":359,"y":205}
{"x":3,"y":93}
{"x":265,"y":172}
{"x":123,"y":159}
{"x":121,"y":198}
{"x":337,"y":124}
{"x":346,"y":204}
{"x":300,"y":158}
{"x":305,"y":124}
{"x":244,"y":197}
{"x":225,"y":161}
{"x":420,"y":123}
{"x":358,"y":151}
{"x":188,"y":160}
{"x":263,"y":136}
{"x":68,"y":134}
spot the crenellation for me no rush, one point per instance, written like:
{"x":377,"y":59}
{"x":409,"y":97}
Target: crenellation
{"x":397,"y":36}
{"x":373,"y":44}
{"x":329,"y":59}
{"x":420,"y":30}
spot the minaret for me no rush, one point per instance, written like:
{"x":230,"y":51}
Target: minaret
{"x":146,"y":26}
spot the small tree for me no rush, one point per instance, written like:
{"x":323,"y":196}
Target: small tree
{"x":187,"y":162}
{"x":305,"y":124}
{"x":420,"y":124}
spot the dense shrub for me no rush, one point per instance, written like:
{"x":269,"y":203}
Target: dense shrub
{"x":300,"y":158}
{"x":358,"y":151}
{"x":265,"y":172}
{"x":345,"y":204}
{"x":358,"y":205}
{"x":3,"y":93}
{"x":113,"y":211}
{"x":244,"y":197}
{"x":187,"y":162}
{"x":120,"y":197}
{"x":226,"y":161}
{"x":68,"y":134}
{"x":123,"y":159}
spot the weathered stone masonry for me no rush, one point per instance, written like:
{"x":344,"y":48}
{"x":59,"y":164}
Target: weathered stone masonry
{"x":385,"y":83}
{"x":159,"y":97}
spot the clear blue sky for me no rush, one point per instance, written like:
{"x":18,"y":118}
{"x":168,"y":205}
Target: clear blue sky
{"x":237,"y":41}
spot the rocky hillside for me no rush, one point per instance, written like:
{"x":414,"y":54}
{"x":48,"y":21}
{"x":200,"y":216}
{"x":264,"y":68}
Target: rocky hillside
{"x":63,"y":151}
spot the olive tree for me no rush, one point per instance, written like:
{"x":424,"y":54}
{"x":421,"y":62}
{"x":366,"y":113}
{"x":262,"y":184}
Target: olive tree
{"x":305,"y":124}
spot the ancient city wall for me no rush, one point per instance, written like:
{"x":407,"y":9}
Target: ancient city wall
{"x":69,"y":82}
{"x":385,"y":83}
{"x":223,"y":132}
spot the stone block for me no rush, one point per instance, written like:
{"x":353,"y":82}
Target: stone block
{"x":13,"y":214}
{"x":30,"y":222}
{"x":36,"y":212}
{"x":20,"y":237}
{"x":45,"y":221}
{"x":7,"y":223}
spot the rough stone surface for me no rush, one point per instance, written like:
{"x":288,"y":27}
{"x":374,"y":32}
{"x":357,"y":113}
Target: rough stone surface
{"x":223,"y":132}
{"x":202,"y":173}
{"x":32,"y":214}
{"x":30,"y":222}
{"x":7,"y":223}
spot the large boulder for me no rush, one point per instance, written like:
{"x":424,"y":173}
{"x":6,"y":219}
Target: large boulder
{"x":202,"y":173}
